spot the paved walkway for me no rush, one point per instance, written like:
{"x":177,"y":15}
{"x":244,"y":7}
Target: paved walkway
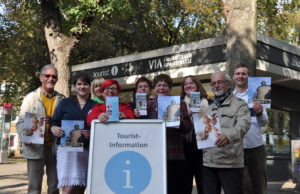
{"x":13,"y":180}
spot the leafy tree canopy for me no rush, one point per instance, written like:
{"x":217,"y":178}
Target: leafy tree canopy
{"x":110,"y":28}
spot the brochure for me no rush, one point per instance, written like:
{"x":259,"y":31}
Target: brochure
{"x":34,"y":129}
{"x":259,"y":89}
{"x":206,"y":130}
{"x":112,"y":108}
{"x":141,"y":103}
{"x":169,"y":110}
{"x":195,"y":101}
{"x":72,"y":139}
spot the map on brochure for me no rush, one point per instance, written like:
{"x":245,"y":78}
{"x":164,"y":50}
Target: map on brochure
{"x":72,"y":140}
{"x":259,"y":89}
{"x":112,"y":108}
{"x":34,"y":129}
{"x":206,"y":130}
{"x":169,"y":110}
{"x":195,"y":101}
{"x":141,"y":103}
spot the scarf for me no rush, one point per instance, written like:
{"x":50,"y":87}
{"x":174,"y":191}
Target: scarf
{"x":220,"y":99}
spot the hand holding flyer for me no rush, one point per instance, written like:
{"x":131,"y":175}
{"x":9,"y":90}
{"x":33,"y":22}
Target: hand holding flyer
{"x":141,"y":103}
{"x":206,"y":129}
{"x":34,"y":129}
{"x":72,"y":134}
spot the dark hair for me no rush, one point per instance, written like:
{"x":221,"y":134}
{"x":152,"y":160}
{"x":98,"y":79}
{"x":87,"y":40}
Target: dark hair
{"x":142,"y":79}
{"x":198,"y":83}
{"x":240,"y":65}
{"x":162,"y":77}
{"x":83,"y":77}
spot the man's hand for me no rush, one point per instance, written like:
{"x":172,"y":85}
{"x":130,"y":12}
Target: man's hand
{"x":258,"y":108}
{"x":222,"y":140}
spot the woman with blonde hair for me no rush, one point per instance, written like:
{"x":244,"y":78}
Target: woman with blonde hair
{"x":95,"y":90}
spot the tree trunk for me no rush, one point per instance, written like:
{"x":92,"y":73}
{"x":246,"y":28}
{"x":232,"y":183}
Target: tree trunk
{"x":60,"y":46}
{"x":241,"y":33}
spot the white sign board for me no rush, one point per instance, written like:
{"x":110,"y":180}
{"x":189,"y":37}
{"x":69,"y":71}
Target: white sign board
{"x":128,"y":156}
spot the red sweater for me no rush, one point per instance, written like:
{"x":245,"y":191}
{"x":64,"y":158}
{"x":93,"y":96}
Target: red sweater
{"x":101,"y":108}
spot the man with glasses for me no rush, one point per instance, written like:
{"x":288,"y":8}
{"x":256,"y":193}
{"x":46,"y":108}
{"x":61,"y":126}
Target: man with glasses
{"x":254,"y":150}
{"x":224,"y":163}
{"x":42,"y":102}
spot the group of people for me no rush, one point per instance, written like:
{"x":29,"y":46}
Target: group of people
{"x":240,"y":141}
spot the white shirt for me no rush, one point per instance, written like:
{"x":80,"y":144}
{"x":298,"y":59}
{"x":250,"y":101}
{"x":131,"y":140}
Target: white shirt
{"x":253,"y":137}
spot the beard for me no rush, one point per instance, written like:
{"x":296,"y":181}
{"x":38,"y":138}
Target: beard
{"x":218,"y":91}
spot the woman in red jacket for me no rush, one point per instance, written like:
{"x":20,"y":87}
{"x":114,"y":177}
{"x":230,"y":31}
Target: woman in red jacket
{"x":109,"y":88}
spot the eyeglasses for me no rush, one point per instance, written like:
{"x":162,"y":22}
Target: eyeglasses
{"x":220,"y":82}
{"x":49,"y":75}
{"x":112,"y":89}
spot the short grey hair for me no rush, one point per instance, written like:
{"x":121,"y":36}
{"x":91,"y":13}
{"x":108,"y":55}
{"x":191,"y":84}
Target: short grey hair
{"x":49,"y":66}
{"x":226,"y":75}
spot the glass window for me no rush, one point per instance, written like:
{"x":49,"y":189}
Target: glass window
{"x":277,"y":133}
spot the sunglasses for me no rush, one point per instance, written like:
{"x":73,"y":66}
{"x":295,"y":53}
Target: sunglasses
{"x":49,"y":75}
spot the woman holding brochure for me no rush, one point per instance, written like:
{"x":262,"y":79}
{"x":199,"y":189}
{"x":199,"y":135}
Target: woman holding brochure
{"x":72,"y":166}
{"x":142,"y":86}
{"x":109,"y":88}
{"x":177,"y":168}
{"x":192,"y":154}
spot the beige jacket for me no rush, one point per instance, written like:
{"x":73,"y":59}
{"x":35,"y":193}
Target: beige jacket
{"x":234,"y":117}
{"x":33,"y":103}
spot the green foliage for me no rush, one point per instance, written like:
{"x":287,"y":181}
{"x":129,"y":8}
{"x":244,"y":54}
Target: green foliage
{"x":111,"y":28}
{"x":75,"y":12}
{"x":279,"y":19}
{"x":23,"y":51}
{"x":149,"y":25}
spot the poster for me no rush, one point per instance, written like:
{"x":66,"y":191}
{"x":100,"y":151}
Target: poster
{"x":169,"y":110}
{"x":112,"y":108}
{"x":259,"y":89}
{"x":72,"y":139}
{"x":141,"y":103}
{"x":34,"y":129}
{"x":127,"y":157}
{"x":195,"y":101}
{"x":206,"y":130}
